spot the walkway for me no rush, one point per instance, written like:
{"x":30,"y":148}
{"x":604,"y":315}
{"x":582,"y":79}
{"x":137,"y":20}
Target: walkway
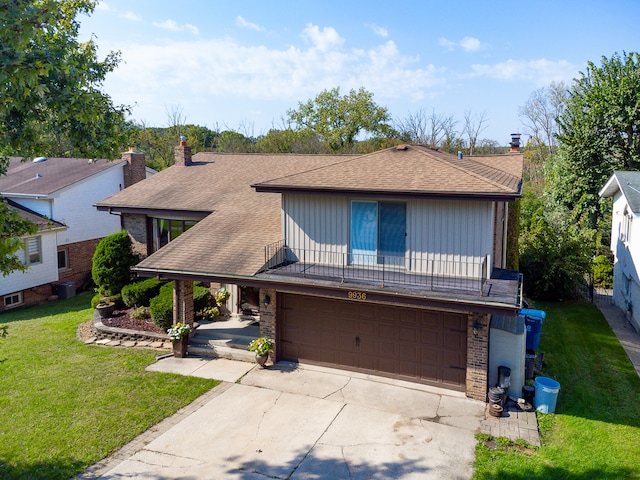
{"x":628,"y":336}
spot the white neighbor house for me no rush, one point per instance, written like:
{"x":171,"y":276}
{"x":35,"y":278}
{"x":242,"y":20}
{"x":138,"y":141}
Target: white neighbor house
{"x":624,"y":187}
{"x":59,"y":194}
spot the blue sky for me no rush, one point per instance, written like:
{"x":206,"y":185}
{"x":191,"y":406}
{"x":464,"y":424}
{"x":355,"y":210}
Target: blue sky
{"x":241,"y":65}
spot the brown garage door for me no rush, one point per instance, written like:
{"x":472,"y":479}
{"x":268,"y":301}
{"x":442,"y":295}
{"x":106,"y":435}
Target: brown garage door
{"x":413,"y":344}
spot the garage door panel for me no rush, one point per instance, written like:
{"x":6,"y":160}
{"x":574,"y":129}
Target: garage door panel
{"x":413,"y":344}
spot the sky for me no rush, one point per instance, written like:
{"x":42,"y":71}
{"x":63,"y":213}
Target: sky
{"x":240,"y":65}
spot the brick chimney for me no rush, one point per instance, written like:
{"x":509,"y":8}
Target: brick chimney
{"x":135,"y":169}
{"x":515,"y":143}
{"x":182,"y":153}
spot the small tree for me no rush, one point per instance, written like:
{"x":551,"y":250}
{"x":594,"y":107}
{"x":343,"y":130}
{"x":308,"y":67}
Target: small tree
{"x":112,"y":263}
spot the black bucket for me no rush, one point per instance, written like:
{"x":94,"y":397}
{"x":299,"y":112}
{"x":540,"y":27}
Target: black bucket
{"x":529,"y":364}
{"x":496,"y":395}
{"x":504,"y":377}
{"x":528,"y":392}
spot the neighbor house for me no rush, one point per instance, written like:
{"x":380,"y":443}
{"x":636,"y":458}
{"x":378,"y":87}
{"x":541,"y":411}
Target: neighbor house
{"x":624,"y":188}
{"x":58,"y":194}
{"x":389,"y":263}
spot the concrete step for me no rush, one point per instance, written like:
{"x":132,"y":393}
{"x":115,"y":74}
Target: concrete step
{"x":214,"y":350}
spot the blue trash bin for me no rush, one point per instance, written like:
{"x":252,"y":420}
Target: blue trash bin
{"x":546,"y":394}
{"x":533,"y":320}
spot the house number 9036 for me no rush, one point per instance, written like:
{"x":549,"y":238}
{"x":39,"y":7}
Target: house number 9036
{"x":357,"y":295}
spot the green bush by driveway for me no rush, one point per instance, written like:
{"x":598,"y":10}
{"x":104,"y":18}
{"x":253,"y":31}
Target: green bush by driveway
{"x":67,"y":405}
{"x":595,"y":432}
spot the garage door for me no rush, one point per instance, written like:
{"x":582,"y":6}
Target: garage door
{"x":412,"y":344}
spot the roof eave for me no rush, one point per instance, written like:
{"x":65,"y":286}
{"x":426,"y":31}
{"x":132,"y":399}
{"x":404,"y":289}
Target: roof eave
{"x":153,"y":212}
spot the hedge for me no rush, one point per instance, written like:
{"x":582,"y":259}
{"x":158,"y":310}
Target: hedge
{"x":141,"y":293}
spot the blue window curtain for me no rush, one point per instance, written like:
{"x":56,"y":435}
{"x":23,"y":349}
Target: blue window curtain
{"x":364,"y":231}
{"x":392,"y":227}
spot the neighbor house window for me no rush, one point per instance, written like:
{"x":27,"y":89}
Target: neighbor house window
{"x":13,"y":299}
{"x":63,"y":259}
{"x":378,"y":232}
{"x":33,"y":250}
{"x":166,"y":230}
{"x":627,"y":285}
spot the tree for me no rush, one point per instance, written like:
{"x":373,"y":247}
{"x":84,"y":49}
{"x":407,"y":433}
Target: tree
{"x":474,"y":124}
{"x":50,"y":83}
{"x":50,"y":98}
{"x":599,"y":132}
{"x":426,"y":129}
{"x":339,"y":119}
{"x":540,"y":113}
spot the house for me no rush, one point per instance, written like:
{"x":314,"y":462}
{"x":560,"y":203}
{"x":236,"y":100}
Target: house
{"x":624,"y":188}
{"x":389,"y":263}
{"x":58,"y":194}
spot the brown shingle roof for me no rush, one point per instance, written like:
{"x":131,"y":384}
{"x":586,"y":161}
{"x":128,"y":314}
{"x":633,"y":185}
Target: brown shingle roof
{"x":414,"y":170}
{"x":41,"y":221}
{"x":45,"y":178}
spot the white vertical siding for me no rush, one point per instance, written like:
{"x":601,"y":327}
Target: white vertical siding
{"x":74,"y":206}
{"x":39,"y":274}
{"x":444,"y":236}
{"x":317,"y":223}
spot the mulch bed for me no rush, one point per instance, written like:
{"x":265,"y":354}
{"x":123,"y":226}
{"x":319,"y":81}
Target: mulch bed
{"x":122,"y":319}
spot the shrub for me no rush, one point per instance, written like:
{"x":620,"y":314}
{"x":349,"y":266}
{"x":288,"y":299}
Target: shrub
{"x":112,"y":262}
{"x":602,"y":272}
{"x":161,"y":308}
{"x":141,"y":313}
{"x":202,"y":298}
{"x":141,"y":293}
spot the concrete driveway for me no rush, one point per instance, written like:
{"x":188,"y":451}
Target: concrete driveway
{"x":302,"y":422}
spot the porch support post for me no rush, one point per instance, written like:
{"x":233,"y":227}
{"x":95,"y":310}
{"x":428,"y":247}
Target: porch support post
{"x":268,"y":327}
{"x":183,"y":302}
{"x":477,"y":356}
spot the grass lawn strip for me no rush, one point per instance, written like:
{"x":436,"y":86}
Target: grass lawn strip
{"x":68,"y":405}
{"x":595,"y":432}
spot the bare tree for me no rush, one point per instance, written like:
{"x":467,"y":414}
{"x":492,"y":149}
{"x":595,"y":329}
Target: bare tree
{"x":474,"y":124}
{"x":427,"y":129}
{"x":175,"y":119}
{"x":539,"y":115}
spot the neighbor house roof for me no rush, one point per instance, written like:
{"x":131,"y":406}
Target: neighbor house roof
{"x":41,"y":221}
{"x":626,"y":182}
{"x":49,"y":176}
{"x":231,"y":240}
{"x":407,"y":171}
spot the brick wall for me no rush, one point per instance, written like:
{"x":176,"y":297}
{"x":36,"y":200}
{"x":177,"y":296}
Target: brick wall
{"x":136,"y":225}
{"x":268,"y":318}
{"x":80,"y":255}
{"x":477,"y":357}
{"x":183,"y":302}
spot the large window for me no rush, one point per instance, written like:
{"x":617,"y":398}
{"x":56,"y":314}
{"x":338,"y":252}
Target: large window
{"x":378,"y":232}
{"x":32,"y":250}
{"x":166,"y":230}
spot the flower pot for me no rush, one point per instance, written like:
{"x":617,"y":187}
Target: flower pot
{"x":106,"y":309}
{"x":180,"y":347}
{"x":262,"y":359}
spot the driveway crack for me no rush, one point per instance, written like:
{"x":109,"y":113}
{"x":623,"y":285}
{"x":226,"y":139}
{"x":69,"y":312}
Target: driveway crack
{"x":339,"y":390}
{"x":267,"y":410}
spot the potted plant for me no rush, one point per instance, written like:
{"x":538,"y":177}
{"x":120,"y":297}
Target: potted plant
{"x":105,"y":308}
{"x":179,"y":335}
{"x":261,"y":346}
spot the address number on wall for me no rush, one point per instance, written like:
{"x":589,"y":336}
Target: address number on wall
{"x":357,"y":295}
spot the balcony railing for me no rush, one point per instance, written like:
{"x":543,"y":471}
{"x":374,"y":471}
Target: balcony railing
{"x":413,"y":270}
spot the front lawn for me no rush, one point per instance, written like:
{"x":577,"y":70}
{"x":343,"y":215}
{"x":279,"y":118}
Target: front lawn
{"x":66,"y":405}
{"x":595,"y":432}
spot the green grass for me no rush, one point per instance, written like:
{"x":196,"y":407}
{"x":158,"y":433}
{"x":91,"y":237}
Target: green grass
{"x":595,"y":432}
{"x":66,"y":405}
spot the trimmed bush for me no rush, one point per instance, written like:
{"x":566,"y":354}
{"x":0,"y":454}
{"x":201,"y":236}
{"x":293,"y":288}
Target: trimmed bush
{"x":161,"y":308}
{"x":602,"y":272}
{"x":141,"y":293}
{"x":141,"y":313}
{"x":202,"y":298}
{"x":112,"y":262}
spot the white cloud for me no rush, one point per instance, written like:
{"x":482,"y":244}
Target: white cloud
{"x":174,"y":27}
{"x":324,"y":39}
{"x":540,"y":72}
{"x":378,"y":30}
{"x":129,"y":15}
{"x":241,"y":22}
{"x":468,"y":44}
